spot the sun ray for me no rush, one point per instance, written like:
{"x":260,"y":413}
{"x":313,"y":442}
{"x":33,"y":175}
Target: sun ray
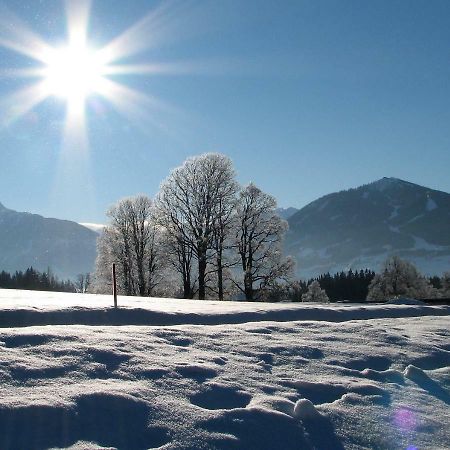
{"x":77,"y":13}
{"x":142,"y":110}
{"x":132,"y":103}
{"x":75,"y":137}
{"x":158,"y":26}
{"x":20,"y":102}
{"x":156,"y":68}
{"x":17,"y":36}
{"x":216,"y":66}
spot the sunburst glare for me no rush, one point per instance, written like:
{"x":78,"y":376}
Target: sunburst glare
{"x":76,"y":70}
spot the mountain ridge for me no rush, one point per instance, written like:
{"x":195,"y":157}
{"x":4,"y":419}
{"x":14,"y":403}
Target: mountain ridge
{"x":28,"y":239}
{"x":359,"y":227}
{"x":355,"y":228}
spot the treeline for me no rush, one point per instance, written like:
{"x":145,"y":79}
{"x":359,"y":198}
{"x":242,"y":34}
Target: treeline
{"x":34,"y":280}
{"x":350,"y":286}
{"x":397,"y":278}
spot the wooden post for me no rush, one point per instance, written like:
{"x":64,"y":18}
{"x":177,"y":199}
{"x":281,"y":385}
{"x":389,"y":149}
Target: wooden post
{"x":114,"y":284}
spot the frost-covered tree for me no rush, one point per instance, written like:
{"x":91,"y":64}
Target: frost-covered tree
{"x":259,"y":234}
{"x":130,"y":241}
{"x":399,"y":278}
{"x":315,"y":294}
{"x":224,"y":225}
{"x":445,"y":285}
{"x":192,"y":203}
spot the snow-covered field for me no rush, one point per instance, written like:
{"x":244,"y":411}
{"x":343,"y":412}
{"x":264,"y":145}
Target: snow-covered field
{"x":176,"y":374}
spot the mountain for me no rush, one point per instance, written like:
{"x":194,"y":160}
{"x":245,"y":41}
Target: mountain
{"x":32,"y":240}
{"x":285,"y":213}
{"x":359,"y":228}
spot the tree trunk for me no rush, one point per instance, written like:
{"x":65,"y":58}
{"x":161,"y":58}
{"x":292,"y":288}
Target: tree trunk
{"x":201,"y":277}
{"x":248,"y":286}
{"x":141,"y":282}
{"x":220,"y":272}
{"x":220,"y":279}
{"x":187,"y":292}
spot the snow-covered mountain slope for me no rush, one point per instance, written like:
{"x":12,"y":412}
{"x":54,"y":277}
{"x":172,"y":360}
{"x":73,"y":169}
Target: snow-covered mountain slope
{"x":285,"y":213}
{"x":359,"y":228}
{"x":97,"y":227}
{"x":32,"y":240}
{"x":261,"y":384}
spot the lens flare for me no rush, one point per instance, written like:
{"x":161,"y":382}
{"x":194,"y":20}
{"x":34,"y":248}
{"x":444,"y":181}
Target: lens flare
{"x":405,"y":419}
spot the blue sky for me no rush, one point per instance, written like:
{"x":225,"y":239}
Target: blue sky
{"x":306,"y":97}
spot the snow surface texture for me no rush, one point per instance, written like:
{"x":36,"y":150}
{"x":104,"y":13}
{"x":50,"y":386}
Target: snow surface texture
{"x":360,"y":377}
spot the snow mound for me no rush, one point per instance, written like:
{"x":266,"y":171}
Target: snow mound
{"x":320,"y":393}
{"x":414,"y":373}
{"x":305,"y":409}
{"x":27,"y":308}
{"x":426,"y":383}
{"x":389,"y":375}
{"x":273,"y":402}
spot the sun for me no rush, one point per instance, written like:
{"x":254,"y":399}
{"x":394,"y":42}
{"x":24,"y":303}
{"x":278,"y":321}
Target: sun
{"x":81,"y":68}
{"x":73,"y":72}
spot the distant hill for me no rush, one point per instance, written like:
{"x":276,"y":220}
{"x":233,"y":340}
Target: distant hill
{"x":359,"y":228}
{"x":32,"y":240}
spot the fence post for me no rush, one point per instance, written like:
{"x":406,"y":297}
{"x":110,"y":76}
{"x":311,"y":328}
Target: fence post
{"x":114,"y":284}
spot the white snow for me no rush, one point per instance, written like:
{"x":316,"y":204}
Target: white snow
{"x":394,"y":229}
{"x":177,"y":374}
{"x":431,"y":204}
{"x":97,"y":227}
{"x":305,"y":409}
{"x":323,"y":205}
{"x":414,"y":219}
{"x":394,"y":212}
{"x":385,"y":183}
{"x":414,"y":373}
{"x":422,"y":244}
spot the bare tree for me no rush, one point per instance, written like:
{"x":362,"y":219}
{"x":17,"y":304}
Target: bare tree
{"x":83,"y":282}
{"x":130,"y":240}
{"x":179,"y":256}
{"x":191,"y":201}
{"x":259,"y":236}
{"x":224,"y":223}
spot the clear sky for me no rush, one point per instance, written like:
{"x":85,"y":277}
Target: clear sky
{"x":306,"y":97}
